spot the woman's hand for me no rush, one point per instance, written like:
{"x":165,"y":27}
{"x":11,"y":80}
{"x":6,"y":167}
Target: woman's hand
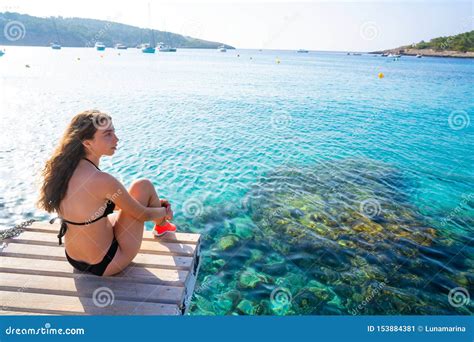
{"x":165,"y":203}
{"x":169,"y":212}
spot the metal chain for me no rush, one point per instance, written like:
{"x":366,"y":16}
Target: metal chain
{"x":15,"y":231}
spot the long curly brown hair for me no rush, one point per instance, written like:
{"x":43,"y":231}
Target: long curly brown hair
{"x":60,"y":167}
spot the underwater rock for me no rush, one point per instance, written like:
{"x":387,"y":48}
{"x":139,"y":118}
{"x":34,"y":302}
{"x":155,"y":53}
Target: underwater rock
{"x":328,"y":234}
{"x":227,"y":242}
{"x":350,"y":216}
{"x":255,"y":255}
{"x":203,"y":305}
{"x":249,"y":278}
{"x":246,"y":307}
{"x":243,"y":227}
{"x":296,"y":213}
{"x":263,"y":308}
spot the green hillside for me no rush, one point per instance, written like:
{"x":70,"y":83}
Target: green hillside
{"x":79,"y":32}
{"x":463,"y":42}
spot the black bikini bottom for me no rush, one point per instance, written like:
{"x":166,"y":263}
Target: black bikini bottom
{"x":97,"y":269}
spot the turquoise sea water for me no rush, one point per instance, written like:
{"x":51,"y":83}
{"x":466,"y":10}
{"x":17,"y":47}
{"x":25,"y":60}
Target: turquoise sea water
{"x":318,"y":187}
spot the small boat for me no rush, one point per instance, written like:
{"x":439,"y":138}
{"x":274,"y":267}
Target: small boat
{"x":99,"y":46}
{"x":165,"y":48}
{"x":121,"y":46}
{"x":385,"y":54}
{"x":147,"y":48}
{"x":2,"y":53}
{"x":394,"y":55}
{"x":419,"y":56}
{"x":55,"y":46}
{"x":356,"y":54}
{"x":302,"y":51}
{"x":222,"y":48}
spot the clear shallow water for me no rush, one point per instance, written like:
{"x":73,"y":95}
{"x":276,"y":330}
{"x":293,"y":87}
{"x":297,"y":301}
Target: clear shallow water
{"x":318,"y":187}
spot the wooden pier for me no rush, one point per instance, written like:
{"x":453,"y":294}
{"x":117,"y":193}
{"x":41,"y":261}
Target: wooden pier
{"x":36,"y":278}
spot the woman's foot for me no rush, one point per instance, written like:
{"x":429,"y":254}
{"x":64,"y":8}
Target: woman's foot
{"x":163,"y":228}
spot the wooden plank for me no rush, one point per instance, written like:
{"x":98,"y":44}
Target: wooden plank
{"x":82,"y":305}
{"x":145,"y":275}
{"x":85,"y":287}
{"x":148,"y":247}
{"x":189,"y":238}
{"x":30,"y":248}
{"x":35,"y":277}
{"x":20,"y":313}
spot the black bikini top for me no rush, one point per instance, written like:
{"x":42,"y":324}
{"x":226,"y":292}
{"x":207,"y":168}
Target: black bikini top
{"x":109,"y":209}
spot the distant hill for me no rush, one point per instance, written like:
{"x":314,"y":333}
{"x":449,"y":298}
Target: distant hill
{"x":22,"y":29}
{"x":460,"y":45}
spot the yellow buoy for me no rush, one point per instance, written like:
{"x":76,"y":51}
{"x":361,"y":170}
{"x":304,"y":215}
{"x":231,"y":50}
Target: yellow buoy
{"x":381,"y":75}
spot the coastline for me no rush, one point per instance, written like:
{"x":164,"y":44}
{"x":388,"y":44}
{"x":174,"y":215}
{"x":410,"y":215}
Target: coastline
{"x":427,"y":53}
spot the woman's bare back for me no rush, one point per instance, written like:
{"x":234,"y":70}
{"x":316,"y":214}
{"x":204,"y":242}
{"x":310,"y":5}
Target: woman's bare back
{"x":84,"y":202}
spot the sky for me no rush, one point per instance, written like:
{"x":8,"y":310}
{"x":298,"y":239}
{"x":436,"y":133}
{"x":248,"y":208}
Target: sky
{"x":342,"y":25}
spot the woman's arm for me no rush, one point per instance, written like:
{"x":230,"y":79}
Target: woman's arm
{"x":117,"y":193}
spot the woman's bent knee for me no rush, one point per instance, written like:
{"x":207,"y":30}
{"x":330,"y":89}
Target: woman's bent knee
{"x":141,"y":183}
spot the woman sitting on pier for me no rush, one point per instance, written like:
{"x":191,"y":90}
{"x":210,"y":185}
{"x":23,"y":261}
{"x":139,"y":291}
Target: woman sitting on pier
{"x":75,"y":188}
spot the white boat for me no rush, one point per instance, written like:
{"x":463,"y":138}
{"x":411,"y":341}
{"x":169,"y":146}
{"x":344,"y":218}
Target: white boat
{"x":302,"y":51}
{"x":55,"y":46}
{"x":162,"y":47}
{"x":394,"y":55}
{"x":121,"y":46}
{"x":419,"y":56}
{"x":222,"y":48}
{"x":99,"y":46}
